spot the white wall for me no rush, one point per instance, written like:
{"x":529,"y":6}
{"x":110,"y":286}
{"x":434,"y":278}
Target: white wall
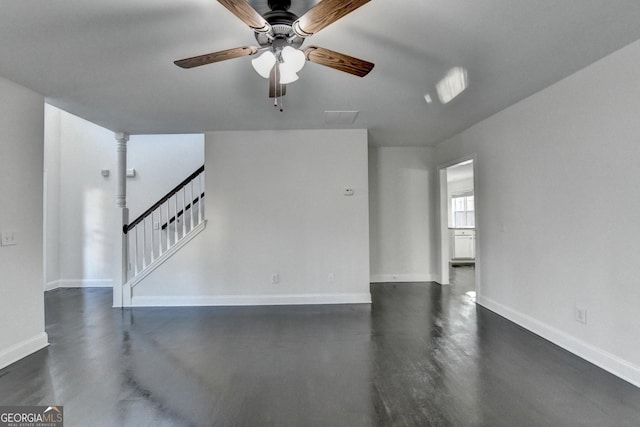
{"x":81,"y":202}
{"x":401,"y":214}
{"x":21,"y":266}
{"x":161,"y":162}
{"x":275,"y":204}
{"x":85,"y":202}
{"x":51,"y":195}
{"x":557,"y":207}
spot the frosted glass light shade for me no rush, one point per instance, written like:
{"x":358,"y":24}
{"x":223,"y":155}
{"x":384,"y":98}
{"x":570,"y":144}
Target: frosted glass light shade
{"x":287,"y":73}
{"x":294,"y":58}
{"x":264,"y":63}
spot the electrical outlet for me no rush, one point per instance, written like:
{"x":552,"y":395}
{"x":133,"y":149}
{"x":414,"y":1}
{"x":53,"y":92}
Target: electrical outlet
{"x":580,"y":314}
{"x":275,"y":278}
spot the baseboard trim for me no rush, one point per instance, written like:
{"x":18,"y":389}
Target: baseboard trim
{"x":240,"y":300}
{"x":23,"y":349}
{"x":49,"y":286}
{"x":79,"y":283}
{"x":605,"y":360}
{"x":438,"y":279}
{"x":396,"y":278}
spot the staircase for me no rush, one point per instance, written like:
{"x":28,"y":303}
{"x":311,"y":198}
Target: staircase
{"x":164,"y":228}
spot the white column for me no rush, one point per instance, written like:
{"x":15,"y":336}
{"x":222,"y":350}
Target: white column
{"x":120,"y":259}
{"x":121,"y":152}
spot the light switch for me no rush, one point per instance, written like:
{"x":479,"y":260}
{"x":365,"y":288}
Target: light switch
{"x":9,"y":238}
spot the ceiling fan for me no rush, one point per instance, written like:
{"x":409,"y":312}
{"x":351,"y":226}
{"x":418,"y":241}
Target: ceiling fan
{"x":280,"y":35}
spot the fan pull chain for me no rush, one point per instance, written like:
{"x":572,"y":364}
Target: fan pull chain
{"x":275,"y":86}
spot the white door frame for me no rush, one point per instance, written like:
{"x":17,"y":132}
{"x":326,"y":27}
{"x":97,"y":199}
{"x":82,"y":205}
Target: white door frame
{"x":444,"y":220}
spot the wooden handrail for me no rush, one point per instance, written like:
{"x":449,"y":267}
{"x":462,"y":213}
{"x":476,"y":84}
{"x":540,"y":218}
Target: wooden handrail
{"x":127,"y":227}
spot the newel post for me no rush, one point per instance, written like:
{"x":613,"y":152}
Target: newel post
{"x":121,"y":296}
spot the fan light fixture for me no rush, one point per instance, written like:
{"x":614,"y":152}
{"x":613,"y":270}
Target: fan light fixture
{"x":264,"y":63}
{"x":291,"y":61}
{"x":287,"y":73}
{"x":294,"y":57}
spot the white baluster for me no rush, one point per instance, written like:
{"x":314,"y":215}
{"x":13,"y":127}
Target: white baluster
{"x":144,"y":243}
{"x":175,"y":221}
{"x":193,"y":203}
{"x":202,"y":180}
{"x":168,"y":229}
{"x":135,"y":251}
{"x":153,"y":237}
{"x":160,"y":231}
{"x":129,"y":255}
{"x":184,"y":210}
{"x":199,"y":199}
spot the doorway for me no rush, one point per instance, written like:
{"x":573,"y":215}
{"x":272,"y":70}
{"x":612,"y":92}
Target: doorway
{"x":458,"y":236}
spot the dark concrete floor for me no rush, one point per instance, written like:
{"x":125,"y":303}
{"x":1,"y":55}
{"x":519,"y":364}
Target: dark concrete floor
{"x":420,"y":355}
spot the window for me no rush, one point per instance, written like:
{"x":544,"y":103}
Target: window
{"x":463,"y":211}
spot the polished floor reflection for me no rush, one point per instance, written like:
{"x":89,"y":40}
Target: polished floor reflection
{"x":420,"y":355}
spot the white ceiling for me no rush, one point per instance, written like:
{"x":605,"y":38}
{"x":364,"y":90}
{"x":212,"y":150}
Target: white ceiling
{"x":460,"y":172}
{"x":111,"y":62}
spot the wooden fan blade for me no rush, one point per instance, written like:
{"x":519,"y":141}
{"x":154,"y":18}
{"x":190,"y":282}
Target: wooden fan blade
{"x":338,"y":61}
{"x":247,"y":14}
{"x":276,"y":90}
{"x":324,"y":13}
{"x":222,"y":55}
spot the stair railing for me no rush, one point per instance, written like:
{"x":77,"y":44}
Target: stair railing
{"x":165,"y":224}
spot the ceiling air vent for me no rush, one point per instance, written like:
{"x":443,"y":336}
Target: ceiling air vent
{"x":340,"y":117}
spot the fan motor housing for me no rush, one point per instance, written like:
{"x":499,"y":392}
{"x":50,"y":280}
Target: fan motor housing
{"x":279,"y":4}
{"x":281,"y":21}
